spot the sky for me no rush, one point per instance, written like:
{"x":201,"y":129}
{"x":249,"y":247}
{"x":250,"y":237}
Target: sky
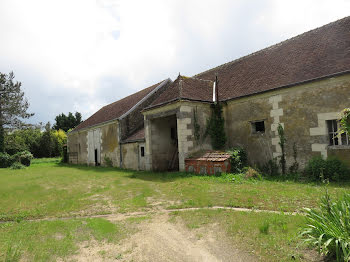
{"x":79,"y":55}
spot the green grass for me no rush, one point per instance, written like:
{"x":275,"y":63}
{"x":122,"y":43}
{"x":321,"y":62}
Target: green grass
{"x":48,"y":240}
{"x":49,"y":189}
{"x":270,"y":237}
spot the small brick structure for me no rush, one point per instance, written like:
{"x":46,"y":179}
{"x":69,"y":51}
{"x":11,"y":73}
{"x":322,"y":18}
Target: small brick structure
{"x":209,"y":163}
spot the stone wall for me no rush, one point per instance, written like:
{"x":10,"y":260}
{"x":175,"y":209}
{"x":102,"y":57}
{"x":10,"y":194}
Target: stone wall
{"x":188,"y":143}
{"x":302,"y":110}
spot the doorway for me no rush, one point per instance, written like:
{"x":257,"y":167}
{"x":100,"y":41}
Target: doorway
{"x":96,"y":158}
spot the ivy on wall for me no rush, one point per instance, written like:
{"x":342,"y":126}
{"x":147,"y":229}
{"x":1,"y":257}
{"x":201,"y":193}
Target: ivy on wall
{"x":345,"y":121}
{"x":216,"y":127}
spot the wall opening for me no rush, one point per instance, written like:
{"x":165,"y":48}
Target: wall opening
{"x":258,"y":127}
{"x":96,"y":158}
{"x":164,"y":143}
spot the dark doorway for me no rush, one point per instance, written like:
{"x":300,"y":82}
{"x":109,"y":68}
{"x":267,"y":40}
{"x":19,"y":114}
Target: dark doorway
{"x":96,"y":159}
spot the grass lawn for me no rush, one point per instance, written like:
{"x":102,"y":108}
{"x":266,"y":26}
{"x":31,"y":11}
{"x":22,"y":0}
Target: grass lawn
{"x":50,"y":189}
{"x":49,"y":240}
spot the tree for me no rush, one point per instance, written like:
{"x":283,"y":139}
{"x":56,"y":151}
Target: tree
{"x":67,"y":122}
{"x":13,"y":105}
{"x":47,"y":142}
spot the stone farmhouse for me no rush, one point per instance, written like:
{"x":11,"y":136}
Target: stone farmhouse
{"x":302,"y":83}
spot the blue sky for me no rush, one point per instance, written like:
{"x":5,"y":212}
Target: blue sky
{"x":78,"y":55}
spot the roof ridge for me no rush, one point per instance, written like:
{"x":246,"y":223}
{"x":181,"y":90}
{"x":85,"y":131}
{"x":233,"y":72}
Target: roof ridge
{"x":272,"y":46}
{"x":157,"y":84}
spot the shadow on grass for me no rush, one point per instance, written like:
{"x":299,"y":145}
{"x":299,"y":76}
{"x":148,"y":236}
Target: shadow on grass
{"x":159,"y":176}
{"x":132,"y":174}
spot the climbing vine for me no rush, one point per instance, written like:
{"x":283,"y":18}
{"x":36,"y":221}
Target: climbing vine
{"x":282,"y":143}
{"x":216,"y":127}
{"x":197,"y":133}
{"x":345,"y":121}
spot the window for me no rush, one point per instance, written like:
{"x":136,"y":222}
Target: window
{"x":258,"y":127}
{"x":142,"y":151}
{"x":334,"y":139}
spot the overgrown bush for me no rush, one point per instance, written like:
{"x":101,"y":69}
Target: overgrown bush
{"x":5,"y":160}
{"x":17,"y":165}
{"x":24,"y":158}
{"x":252,"y":173}
{"x":238,"y":159}
{"x":108,"y":161}
{"x":331,"y":168}
{"x":328,"y":228}
{"x":270,"y":168}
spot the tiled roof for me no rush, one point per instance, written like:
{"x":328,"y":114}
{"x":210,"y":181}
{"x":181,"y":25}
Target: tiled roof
{"x":186,"y":88}
{"x":315,"y":54}
{"x":212,"y":156}
{"x":139,"y":135}
{"x":116,"y":109}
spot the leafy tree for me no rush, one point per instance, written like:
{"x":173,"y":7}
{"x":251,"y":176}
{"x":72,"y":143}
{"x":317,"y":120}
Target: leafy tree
{"x":47,"y":143}
{"x":13,"y":105}
{"x":60,"y":138}
{"x":67,"y":122}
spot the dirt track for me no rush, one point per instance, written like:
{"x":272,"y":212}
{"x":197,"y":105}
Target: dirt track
{"x":161,"y":240}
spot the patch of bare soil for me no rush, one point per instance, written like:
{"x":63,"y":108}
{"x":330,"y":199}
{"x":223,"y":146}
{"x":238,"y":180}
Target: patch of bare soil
{"x":160,"y":240}
{"x":94,"y":251}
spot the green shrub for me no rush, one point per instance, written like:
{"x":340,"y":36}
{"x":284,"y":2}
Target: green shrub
{"x":238,"y":159}
{"x":328,"y":228}
{"x":65,"y":154}
{"x":17,"y":165}
{"x":331,"y":168}
{"x":252,"y":173}
{"x":270,"y":168}
{"x":24,"y":157}
{"x":5,"y":160}
{"x":108,"y":161}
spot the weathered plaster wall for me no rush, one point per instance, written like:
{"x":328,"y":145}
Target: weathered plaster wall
{"x":130,"y":156}
{"x":104,"y":138}
{"x":300,"y":109}
{"x":77,"y":144}
{"x":110,"y":144}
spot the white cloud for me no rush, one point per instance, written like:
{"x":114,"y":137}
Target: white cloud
{"x":80,"y":54}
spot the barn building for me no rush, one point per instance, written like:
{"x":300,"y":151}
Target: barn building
{"x":302,"y":83}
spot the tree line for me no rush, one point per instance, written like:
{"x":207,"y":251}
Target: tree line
{"x":17,"y":136}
